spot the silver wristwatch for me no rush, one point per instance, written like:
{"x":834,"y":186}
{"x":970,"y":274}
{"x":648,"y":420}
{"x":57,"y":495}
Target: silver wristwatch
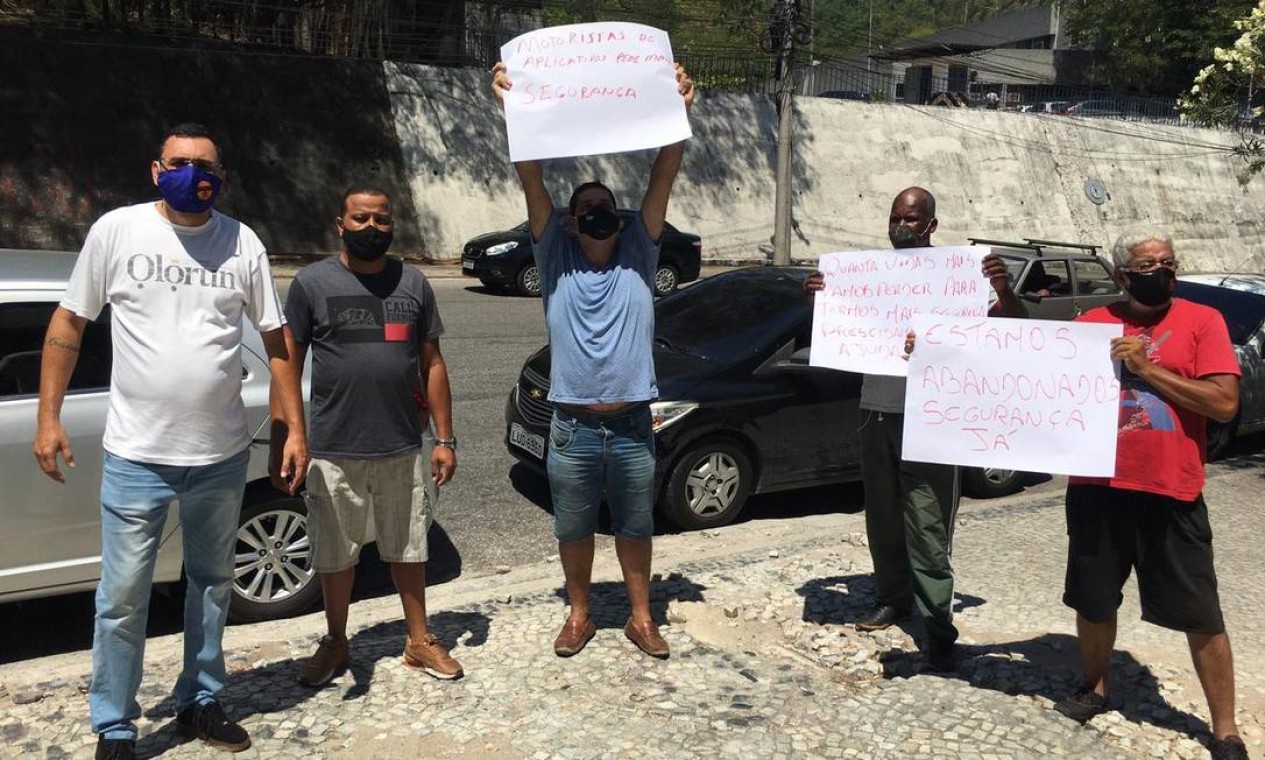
{"x":449,"y":442}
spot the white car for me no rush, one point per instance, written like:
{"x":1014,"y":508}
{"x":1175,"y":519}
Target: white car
{"x":51,"y":543}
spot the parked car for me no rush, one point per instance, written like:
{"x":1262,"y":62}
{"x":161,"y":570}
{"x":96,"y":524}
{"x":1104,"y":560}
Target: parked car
{"x":740,"y":410}
{"x":847,"y":95}
{"x":1057,"y":280}
{"x":504,"y":259}
{"x":1046,"y":106}
{"x":51,"y":543}
{"x":1241,"y":300}
{"x":1101,"y":108}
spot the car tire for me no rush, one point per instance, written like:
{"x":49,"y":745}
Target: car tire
{"x":666,"y":280}
{"x":1220,"y":436}
{"x":709,"y":485}
{"x":528,"y":280}
{"x":990,"y":482}
{"x":280,"y":582}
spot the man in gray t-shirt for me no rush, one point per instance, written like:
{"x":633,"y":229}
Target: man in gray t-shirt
{"x":377,"y":372}
{"x":910,"y":507}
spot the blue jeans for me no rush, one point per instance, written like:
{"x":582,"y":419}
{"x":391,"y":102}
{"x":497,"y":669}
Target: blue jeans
{"x":135,"y":497}
{"x":592,"y":455}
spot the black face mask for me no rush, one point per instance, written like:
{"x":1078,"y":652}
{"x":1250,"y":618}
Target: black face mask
{"x":368,"y":244}
{"x":903,"y":236}
{"x":1154,"y":289}
{"x":598,"y":223}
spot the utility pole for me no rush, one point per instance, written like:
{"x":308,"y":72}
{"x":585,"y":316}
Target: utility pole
{"x":785,"y":30}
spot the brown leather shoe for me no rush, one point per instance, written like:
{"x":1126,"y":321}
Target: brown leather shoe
{"x":431,"y":657}
{"x":573,"y":636}
{"x":646,"y":637}
{"x":330,"y":660}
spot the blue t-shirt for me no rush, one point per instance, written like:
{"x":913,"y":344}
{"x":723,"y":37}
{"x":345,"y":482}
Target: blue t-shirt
{"x":600,"y":320}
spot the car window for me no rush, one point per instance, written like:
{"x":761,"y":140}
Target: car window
{"x":1046,"y":278}
{"x":22,"y":328}
{"x":733,"y":316}
{"x":1093,"y":278}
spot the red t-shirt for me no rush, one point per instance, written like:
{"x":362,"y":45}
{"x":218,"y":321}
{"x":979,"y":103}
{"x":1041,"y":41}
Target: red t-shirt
{"x":1162,"y":447}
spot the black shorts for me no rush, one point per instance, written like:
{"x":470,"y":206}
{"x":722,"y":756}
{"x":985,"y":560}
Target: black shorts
{"x":1111,"y":531}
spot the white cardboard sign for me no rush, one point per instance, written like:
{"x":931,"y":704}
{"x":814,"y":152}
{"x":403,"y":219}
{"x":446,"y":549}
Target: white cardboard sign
{"x":590,"y":89}
{"x":870,"y":297}
{"x":1021,"y":394}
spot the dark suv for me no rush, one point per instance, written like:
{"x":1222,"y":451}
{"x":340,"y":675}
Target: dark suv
{"x":504,"y":260}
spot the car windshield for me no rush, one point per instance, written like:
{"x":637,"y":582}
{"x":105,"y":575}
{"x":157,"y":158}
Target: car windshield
{"x":1243,"y":312}
{"x":731,"y":316}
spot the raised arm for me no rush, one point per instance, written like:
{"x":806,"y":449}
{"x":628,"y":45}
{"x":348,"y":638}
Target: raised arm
{"x":57,"y":364}
{"x":530,"y":173}
{"x":654,"y":206}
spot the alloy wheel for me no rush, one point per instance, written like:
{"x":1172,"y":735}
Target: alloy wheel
{"x":274,"y":556}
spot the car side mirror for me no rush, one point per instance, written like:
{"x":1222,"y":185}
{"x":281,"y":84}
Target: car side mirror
{"x":786,"y":360}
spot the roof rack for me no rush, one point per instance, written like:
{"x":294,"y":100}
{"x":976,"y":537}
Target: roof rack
{"x":1059,"y":244}
{"x":1031,"y":245}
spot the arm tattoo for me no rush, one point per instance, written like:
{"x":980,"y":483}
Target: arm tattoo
{"x":60,"y":343}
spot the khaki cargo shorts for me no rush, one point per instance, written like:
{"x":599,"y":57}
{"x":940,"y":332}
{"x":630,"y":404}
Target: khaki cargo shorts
{"x":343,"y":494}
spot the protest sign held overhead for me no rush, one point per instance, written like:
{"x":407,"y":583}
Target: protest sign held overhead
{"x":1019,"y":394}
{"x":869,"y":299}
{"x":590,"y":89}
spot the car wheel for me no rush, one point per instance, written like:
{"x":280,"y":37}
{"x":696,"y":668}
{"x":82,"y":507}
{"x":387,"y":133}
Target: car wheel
{"x":709,"y":485}
{"x":272,"y":565}
{"x":666,"y":280}
{"x":529,"y":281}
{"x":1220,"y":435}
{"x":990,"y":482}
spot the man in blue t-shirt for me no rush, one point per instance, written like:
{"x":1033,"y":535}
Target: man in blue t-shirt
{"x":597,"y":283}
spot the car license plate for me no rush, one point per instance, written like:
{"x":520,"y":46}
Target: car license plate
{"x":529,"y":442}
{"x":467,"y":264}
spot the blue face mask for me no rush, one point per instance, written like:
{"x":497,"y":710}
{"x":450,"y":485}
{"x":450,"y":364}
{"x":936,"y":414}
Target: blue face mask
{"x":179,"y":188}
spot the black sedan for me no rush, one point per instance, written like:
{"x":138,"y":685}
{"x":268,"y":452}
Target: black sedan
{"x":1241,"y":301}
{"x":504,"y":260}
{"x":740,"y":409}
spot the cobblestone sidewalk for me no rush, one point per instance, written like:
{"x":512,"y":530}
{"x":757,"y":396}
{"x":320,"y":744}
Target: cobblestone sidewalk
{"x":764,"y":664}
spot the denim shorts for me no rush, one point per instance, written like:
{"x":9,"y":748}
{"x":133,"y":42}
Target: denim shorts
{"x":591,"y":456}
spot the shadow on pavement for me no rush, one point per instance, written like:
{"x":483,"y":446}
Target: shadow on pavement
{"x":608,"y":604}
{"x":846,"y":599}
{"x":1048,"y":666}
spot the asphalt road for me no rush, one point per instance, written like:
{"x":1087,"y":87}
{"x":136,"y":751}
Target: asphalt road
{"x":493,"y":515}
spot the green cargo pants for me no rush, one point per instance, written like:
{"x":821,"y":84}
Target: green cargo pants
{"x":910,"y":508}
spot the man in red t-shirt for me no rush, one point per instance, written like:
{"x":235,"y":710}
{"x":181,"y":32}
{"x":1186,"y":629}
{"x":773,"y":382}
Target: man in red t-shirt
{"x":1178,"y":370}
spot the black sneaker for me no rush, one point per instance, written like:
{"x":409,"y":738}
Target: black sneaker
{"x":883,"y":616}
{"x":1083,"y":705}
{"x":115,"y":749}
{"x":1229,"y":748}
{"x":941,"y":656}
{"x":209,"y":723}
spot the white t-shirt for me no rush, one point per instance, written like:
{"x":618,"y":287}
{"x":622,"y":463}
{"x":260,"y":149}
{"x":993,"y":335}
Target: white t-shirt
{"x":177,"y":296}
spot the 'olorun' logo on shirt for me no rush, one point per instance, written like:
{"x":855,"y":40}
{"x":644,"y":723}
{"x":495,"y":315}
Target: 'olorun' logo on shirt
{"x":152,"y":268}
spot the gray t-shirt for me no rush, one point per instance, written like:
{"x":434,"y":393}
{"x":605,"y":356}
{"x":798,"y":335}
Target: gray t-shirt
{"x":883,"y":393}
{"x":364,"y":332}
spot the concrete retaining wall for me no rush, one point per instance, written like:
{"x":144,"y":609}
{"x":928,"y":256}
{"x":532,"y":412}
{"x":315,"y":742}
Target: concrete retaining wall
{"x":80,"y":122}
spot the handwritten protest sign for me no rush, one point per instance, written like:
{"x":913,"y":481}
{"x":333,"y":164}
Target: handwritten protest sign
{"x":588,"y":89}
{"x":861,"y":317}
{"x":1023,"y":394}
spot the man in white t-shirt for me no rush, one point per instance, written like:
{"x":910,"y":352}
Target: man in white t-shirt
{"x":178,"y":278}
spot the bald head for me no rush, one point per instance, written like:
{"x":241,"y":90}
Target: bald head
{"x":912,"y":219}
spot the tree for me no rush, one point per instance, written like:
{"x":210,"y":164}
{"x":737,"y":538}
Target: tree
{"x":1151,"y":47}
{"x":1226,"y":92}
